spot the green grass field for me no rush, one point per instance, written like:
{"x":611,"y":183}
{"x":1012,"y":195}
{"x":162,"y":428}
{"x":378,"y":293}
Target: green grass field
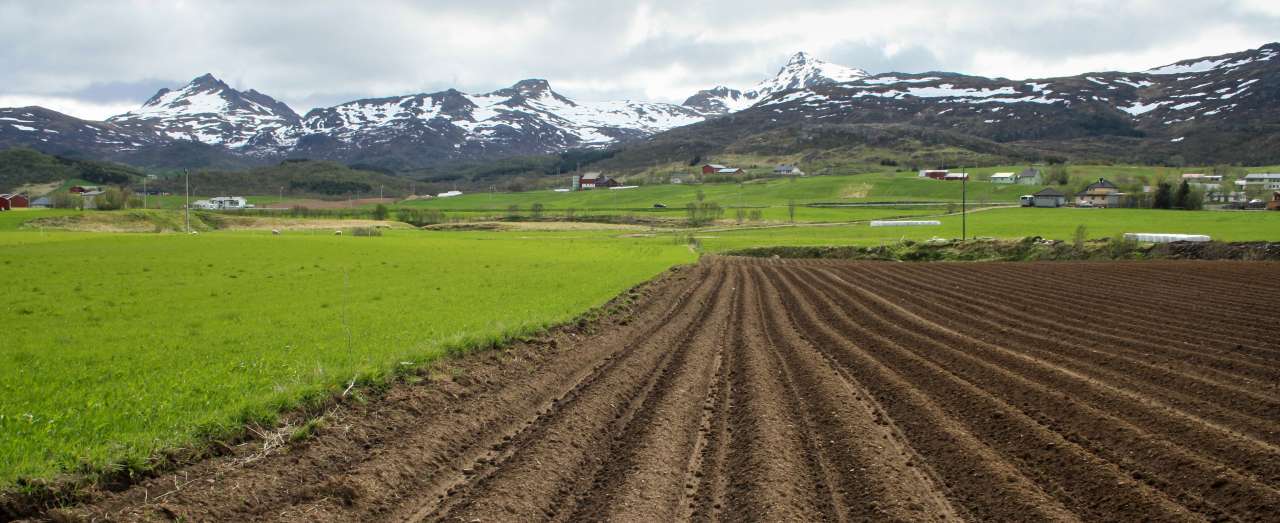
{"x":118,"y":345}
{"x":1015,"y":223}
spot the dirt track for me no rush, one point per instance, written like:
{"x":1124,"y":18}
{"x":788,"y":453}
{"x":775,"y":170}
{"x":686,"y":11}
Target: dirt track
{"x":783,"y":390}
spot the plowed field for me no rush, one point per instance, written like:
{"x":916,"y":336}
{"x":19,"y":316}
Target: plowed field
{"x":807,"y":391}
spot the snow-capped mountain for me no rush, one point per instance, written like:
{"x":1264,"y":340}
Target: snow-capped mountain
{"x":526,"y":118}
{"x":55,"y":132}
{"x":1221,"y":108}
{"x":208,"y":111}
{"x":1185,"y":96}
{"x":801,"y":71}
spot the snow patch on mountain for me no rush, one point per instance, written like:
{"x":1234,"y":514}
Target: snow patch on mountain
{"x":800,"y":72}
{"x":209,"y":111}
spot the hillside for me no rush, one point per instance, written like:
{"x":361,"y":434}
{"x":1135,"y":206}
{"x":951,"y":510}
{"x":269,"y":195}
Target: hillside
{"x":21,"y":166}
{"x":291,"y":178}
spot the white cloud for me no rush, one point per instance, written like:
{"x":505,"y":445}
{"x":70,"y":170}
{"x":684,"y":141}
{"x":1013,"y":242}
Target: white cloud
{"x":325,"y":52}
{"x":79,"y":108}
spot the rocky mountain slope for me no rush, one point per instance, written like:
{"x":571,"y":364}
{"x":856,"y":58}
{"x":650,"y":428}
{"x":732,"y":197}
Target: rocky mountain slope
{"x":801,"y":72}
{"x":209,"y":111}
{"x":1216,"y":109}
{"x":1222,"y":109}
{"x":526,"y":118}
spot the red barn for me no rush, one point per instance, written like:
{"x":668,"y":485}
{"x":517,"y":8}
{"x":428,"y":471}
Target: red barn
{"x":936,"y":174}
{"x":13,"y":201}
{"x":711,"y":168}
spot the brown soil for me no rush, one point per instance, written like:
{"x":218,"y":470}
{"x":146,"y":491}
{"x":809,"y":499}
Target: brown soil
{"x":755,"y":389}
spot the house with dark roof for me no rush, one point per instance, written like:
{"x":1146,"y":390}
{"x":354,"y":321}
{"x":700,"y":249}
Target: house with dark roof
{"x":787,"y":170}
{"x":1049,"y":197}
{"x":1101,"y":193}
{"x":1030,"y":176}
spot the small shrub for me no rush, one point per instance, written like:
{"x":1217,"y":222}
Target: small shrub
{"x":420,"y":217}
{"x":1082,"y":234}
{"x":1121,"y":247}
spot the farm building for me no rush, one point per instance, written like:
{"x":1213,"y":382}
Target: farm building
{"x":230,"y":202}
{"x":588,"y":180}
{"x":1030,"y":176}
{"x":1269,"y":181}
{"x":594,"y":180}
{"x":711,"y":168}
{"x":13,"y":201}
{"x":936,"y":174}
{"x":1101,"y":193}
{"x":1004,"y":178}
{"x":1049,"y":197}
{"x":81,"y":189}
{"x":788,"y":170}
{"x":1201,"y":178}
{"x":956,"y":177}
{"x":729,"y":170}
{"x":42,"y":202}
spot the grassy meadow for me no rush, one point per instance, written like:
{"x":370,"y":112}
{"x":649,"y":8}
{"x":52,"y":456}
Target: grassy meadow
{"x":153,"y":341}
{"x":1013,"y":222}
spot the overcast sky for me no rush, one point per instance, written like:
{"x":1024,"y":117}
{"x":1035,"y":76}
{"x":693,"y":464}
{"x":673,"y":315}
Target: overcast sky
{"x":92,"y":59}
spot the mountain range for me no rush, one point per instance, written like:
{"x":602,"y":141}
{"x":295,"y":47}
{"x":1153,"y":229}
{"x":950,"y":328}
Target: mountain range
{"x":1215,"y":109}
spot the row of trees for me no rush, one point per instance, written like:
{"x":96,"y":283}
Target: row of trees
{"x":114,"y":198}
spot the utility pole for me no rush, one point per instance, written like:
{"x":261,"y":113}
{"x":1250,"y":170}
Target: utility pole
{"x":379,"y":192}
{"x":187,"y":207}
{"x":964,"y":205}
{"x":144,"y":191}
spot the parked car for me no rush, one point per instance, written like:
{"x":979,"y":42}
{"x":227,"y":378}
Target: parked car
{"x":1084,"y":204}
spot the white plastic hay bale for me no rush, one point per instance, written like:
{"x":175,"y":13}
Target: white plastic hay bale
{"x":1151,"y":237}
{"x":904,"y":223}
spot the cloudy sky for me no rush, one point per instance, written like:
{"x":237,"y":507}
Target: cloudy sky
{"x":93,"y":58}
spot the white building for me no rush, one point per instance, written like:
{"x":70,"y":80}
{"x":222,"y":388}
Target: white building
{"x":230,"y":202}
{"x":221,"y":203}
{"x":1004,"y":178}
{"x":1269,"y":181}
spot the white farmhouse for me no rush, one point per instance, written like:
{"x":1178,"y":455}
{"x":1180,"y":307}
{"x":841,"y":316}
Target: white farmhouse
{"x":1004,"y":178}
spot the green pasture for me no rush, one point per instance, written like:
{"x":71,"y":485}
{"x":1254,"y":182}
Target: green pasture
{"x":1058,"y":224}
{"x":120,"y":345}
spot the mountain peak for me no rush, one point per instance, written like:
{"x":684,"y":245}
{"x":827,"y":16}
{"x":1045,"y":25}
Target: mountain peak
{"x":800,"y":57}
{"x":207,"y":80}
{"x":532,"y":85}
